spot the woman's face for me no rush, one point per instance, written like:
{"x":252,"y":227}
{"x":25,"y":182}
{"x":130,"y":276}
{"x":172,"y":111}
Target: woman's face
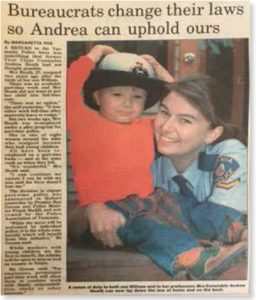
{"x":181,"y":130}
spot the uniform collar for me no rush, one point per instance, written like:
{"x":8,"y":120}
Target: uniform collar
{"x":191,"y":173}
{"x":169,"y":171}
{"x":205,"y":162}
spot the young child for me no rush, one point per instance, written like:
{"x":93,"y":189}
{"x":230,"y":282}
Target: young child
{"x":111,"y":145}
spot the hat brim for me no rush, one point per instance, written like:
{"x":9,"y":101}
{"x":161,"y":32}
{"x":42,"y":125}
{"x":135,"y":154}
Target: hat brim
{"x":100,"y":79}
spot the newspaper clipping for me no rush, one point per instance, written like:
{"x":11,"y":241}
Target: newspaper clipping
{"x":168,"y":246}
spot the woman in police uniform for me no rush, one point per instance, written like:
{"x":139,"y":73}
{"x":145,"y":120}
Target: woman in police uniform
{"x":203,"y":158}
{"x":203,"y":165}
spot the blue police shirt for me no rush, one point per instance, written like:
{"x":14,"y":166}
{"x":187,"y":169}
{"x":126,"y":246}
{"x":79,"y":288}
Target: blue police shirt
{"x":225,"y":182}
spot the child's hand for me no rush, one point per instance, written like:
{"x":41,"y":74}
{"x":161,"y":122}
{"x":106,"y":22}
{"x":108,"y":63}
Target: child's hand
{"x":98,"y":51}
{"x":104,"y":222}
{"x":161,"y":72}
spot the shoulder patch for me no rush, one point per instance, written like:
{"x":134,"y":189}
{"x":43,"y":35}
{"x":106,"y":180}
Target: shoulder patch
{"x":225,"y":167}
{"x":227,"y":185}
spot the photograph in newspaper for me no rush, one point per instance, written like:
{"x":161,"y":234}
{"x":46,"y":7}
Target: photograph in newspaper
{"x":124,"y":148}
{"x":175,"y":209}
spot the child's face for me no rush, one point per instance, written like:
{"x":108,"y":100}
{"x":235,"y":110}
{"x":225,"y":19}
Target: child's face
{"x":121,"y":104}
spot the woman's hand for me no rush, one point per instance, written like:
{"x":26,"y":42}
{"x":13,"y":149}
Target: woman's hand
{"x":103,"y":222}
{"x":161,"y":72}
{"x":98,"y":51}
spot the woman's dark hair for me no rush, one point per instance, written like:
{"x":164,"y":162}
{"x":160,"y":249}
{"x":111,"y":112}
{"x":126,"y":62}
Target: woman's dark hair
{"x":203,"y":93}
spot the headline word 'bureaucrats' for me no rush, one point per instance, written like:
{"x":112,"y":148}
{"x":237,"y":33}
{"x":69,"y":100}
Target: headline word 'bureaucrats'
{"x":120,"y":10}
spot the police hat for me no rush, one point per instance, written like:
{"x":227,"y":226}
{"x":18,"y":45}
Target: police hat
{"x":125,"y":69}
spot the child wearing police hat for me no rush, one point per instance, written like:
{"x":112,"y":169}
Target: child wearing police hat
{"x":111,"y":144}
